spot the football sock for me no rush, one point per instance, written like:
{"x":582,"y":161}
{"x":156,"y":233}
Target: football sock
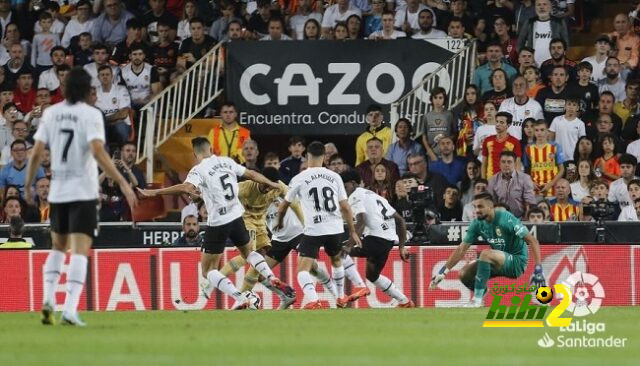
{"x":222,"y":283}
{"x":76,"y":275}
{"x":385,"y":284}
{"x":338,"y":278}
{"x":233,"y":265}
{"x":51,"y":273}
{"x":250,"y":279}
{"x":482,"y":275}
{"x":258,"y":262}
{"x":308,"y":286}
{"x":351,"y":271}
{"x":325,"y":280}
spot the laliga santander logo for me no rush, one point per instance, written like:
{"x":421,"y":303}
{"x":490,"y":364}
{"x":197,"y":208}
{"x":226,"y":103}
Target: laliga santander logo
{"x":587,"y":292}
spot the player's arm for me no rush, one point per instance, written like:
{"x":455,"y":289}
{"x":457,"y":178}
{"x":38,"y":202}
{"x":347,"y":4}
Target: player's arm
{"x":106,"y":164}
{"x":32,"y":168}
{"x":347,"y":216}
{"x":181,"y":188}
{"x":295,"y":206}
{"x":453,"y":259}
{"x":259,"y":178}
{"x":401,"y":230}
{"x":282,"y":210}
{"x":537,"y":279}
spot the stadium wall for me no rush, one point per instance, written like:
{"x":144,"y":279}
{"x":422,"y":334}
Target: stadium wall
{"x":168,"y":278}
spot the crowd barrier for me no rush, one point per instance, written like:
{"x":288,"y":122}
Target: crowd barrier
{"x":148,"y":276}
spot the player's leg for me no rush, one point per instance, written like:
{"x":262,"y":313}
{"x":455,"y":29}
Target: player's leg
{"x":467,"y":275}
{"x":352,"y":274}
{"x":377,"y":251}
{"x":51,"y":272}
{"x":489,"y":259}
{"x":80,"y":245}
{"x":324,"y":278}
{"x":237,"y":262}
{"x":307,"y":255}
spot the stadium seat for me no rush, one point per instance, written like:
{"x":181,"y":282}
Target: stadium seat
{"x":151,"y":208}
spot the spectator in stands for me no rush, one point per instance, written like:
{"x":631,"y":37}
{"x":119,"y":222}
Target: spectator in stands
{"x":535,"y":216}
{"x":13,"y":35}
{"x":48,"y":78}
{"x":618,"y":192}
{"x":83,"y":55}
{"x":58,"y":95}
{"x":17,"y":65}
{"x":488,"y":128}
{"x":227,"y":138}
{"x":521,"y":107}
{"x":451,"y":209}
{"x":258,"y":23}
{"x":502,"y":30}
{"x":330,"y":149}
{"x":128,"y":153}
{"x":553,"y":97}
{"x":16,"y":230}
{"x":218,"y":30}
{"x":190,"y":233}
{"x":189,"y":11}
{"x":512,"y":186}
{"x":499,"y":88}
{"x":525,"y":59}
{"x":194,"y":47}
{"x":110,"y":26}
{"x":417,"y":164}
{"x":164,"y":54}
{"x":627,"y":43}
{"x":290,"y":166}
{"x":567,"y":129}
{"x":437,"y":122}
{"x":42,"y":198}
{"x":580,"y":188}
{"x":375,"y":128}
{"x":337,"y":164}
{"x":375,"y":156}
{"x":471,"y":175}
{"x":400,"y":150}
{"x":605,"y":106}
{"x":338,"y":12}
{"x":493,"y":147}
{"x":250,"y":153}
{"x":401,"y":202}
{"x":585,"y":89}
{"x":42,"y":44}
{"x":563,"y":208}
{"x":427,"y":30}
{"x":613,"y":81}
{"x":630,"y":211}
{"x":340,"y":32}
{"x":114,"y":101}
{"x":482,"y":75}
{"x":276,"y":30}
{"x":122,"y":50}
{"x":19,"y":131}
{"x":158,"y":13}
{"x":79,"y":24}
{"x":524,"y":11}
{"x":599,"y":60}
{"x":544,"y":206}
{"x":538,"y":31}
{"x":544,"y":160}
{"x":10,"y":114}
{"x":354,"y":27}
{"x":634,"y":147}
{"x":373,"y":20}
{"x":43,"y":101}
{"x":387,"y":32}
{"x":534,"y":83}
{"x":142,"y":80}
{"x":558,"y":51}
{"x":381,"y":183}
{"x":312,"y":30}
{"x":24,"y":96}
{"x":15,"y":173}
{"x":468,"y":210}
{"x":271,"y":160}
{"x":449,"y":165}
{"x":101,"y":58}
{"x":607,"y":163}
{"x":605,"y":128}
{"x":628,"y":106}
{"x":468,"y":116}
{"x":458,"y":9}
{"x":457,"y":30}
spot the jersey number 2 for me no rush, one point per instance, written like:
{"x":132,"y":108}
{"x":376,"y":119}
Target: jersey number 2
{"x":65,"y":151}
{"x":327,"y":194}
{"x":227,"y":186}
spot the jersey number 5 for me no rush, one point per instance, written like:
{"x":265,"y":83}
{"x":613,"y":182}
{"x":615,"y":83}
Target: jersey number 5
{"x":227,"y":187}
{"x":67,"y":144}
{"x":327,"y":195}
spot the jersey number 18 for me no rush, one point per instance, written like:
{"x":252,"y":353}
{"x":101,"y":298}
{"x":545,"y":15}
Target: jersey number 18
{"x":329,"y":204}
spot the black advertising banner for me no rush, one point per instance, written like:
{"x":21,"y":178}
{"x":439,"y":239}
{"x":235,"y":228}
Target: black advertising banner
{"x":323,"y":87}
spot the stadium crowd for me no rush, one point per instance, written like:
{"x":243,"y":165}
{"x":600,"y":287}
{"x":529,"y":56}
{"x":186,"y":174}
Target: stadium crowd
{"x":545,"y":135}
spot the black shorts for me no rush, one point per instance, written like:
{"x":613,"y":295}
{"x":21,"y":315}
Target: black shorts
{"x":310,"y":245}
{"x":215,"y":237}
{"x":280,"y":250}
{"x":77,"y":217}
{"x":375,"y":249}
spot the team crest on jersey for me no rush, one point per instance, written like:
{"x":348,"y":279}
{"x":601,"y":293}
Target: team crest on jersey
{"x":146,"y":78}
{"x":527,"y":113}
{"x":498,"y":231}
{"x":114,"y":100}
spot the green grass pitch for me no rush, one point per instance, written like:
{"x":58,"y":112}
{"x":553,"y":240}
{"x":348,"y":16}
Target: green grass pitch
{"x":294,"y":337}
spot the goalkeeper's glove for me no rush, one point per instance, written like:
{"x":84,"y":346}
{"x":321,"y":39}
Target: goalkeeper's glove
{"x":435,"y":280}
{"x":538,"y":279}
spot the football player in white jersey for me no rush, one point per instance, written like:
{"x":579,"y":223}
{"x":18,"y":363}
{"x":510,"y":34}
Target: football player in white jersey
{"x":216,"y":179}
{"x":324,"y":204}
{"x":382,"y":227}
{"x":74,"y":132}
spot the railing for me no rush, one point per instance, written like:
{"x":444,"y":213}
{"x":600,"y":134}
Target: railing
{"x":456,"y":72}
{"x":177,"y":104}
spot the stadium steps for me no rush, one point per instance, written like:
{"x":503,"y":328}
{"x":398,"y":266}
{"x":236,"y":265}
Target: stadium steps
{"x":177,"y":149}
